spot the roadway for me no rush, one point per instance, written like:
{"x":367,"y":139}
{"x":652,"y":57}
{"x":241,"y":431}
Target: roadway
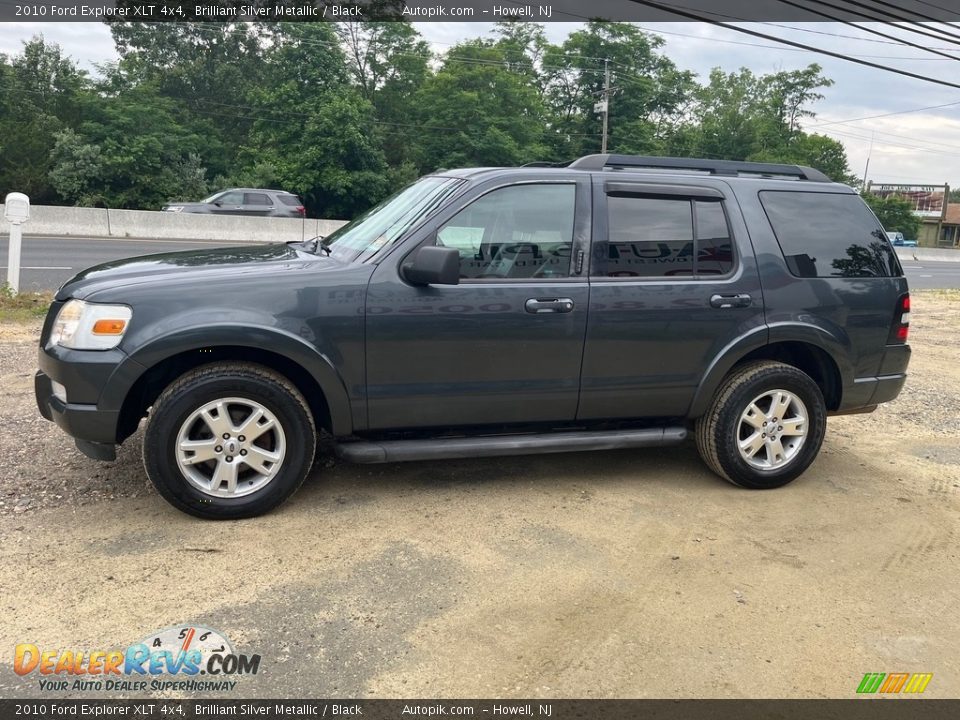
{"x":47,"y":262}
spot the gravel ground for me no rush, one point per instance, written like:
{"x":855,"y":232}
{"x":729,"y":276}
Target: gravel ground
{"x":622,"y":574}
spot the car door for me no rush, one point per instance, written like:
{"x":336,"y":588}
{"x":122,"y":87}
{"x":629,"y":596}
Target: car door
{"x":257,"y":204}
{"x":505,"y":345}
{"x":230,"y":203}
{"x":673,"y":282}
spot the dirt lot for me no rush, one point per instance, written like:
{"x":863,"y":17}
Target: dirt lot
{"x":624,"y":574}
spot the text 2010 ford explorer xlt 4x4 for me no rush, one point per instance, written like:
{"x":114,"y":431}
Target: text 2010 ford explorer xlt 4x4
{"x":617,"y":302}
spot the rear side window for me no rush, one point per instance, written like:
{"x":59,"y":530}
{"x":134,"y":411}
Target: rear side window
{"x":829,"y":235}
{"x":256,"y":199}
{"x":291,"y":200}
{"x":663,"y":237}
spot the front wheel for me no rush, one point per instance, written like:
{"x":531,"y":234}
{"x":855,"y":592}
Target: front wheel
{"x":765,"y":425}
{"x":229,"y":440}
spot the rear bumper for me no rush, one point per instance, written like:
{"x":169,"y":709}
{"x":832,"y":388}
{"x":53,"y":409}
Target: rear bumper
{"x":867,"y":392}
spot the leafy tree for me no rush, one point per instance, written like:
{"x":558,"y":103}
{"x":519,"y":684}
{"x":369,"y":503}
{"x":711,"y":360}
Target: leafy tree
{"x":476,"y":111}
{"x":40,"y":95}
{"x":315,"y":130}
{"x":894,"y":213}
{"x":388,"y":63}
{"x":648,"y":90}
{"x":77,"y":168}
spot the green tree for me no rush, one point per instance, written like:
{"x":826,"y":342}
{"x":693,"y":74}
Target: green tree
{"x":475,"y":110}
{"x":76,"y":168}
{"x":388,"y":63}
{"x":743,"y":116}
{"x":314,"y":129}
{"x":648,"y":90}
{"x":41,"y":92}
{"x":894,"y":213}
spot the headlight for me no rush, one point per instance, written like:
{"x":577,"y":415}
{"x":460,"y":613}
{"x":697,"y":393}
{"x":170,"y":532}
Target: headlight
{"x":90,"y":326}
{"x":173,"y":208}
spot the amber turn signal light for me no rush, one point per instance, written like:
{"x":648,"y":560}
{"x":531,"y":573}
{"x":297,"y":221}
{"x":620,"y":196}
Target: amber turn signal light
{"x":109,"y":327}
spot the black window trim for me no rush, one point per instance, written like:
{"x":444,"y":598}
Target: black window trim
{"x":692,"y":193}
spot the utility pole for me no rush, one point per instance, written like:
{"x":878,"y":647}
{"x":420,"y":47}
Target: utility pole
{"x":866,"y":169}
{"x":604,"y":105}
{"x":606,"y":102}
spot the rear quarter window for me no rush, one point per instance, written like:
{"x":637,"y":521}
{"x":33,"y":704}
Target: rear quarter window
{"x":829,"y":235}
{"x":289,"y":200}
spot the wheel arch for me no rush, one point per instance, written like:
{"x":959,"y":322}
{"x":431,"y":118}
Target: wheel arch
{"x":170,"y":357}
{"x":813,"y":351}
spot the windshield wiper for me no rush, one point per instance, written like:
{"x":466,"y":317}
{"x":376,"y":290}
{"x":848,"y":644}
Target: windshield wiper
{"x":315,"y":245}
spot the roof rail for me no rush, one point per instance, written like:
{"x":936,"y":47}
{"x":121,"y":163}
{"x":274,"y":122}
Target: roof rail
{"x":713,"y":167}
{"x":545,"y":163}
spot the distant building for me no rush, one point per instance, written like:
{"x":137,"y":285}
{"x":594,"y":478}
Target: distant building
{"x":940,"y":220}
{"x":948,"y":234}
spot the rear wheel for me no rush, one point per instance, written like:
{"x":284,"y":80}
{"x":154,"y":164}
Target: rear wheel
{"x":765,"y":425}
{"x":229,"y":440}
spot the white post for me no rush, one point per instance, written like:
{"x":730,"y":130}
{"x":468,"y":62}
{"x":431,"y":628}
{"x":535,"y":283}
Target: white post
{"x":13,"y":264}
{"x":17,"y":211}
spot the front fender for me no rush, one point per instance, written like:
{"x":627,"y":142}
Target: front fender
{"x":275,"y":340}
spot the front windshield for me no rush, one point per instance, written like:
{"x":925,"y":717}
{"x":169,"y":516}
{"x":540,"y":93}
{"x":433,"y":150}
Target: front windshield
{"x":213,"y":197}
{"x":380,"y":226}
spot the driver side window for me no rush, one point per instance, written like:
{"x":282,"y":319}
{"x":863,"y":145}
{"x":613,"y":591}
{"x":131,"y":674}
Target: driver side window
{"x":515,"y":232}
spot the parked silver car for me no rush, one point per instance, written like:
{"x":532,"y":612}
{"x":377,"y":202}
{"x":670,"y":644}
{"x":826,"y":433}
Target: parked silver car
{"x":244,"y":201}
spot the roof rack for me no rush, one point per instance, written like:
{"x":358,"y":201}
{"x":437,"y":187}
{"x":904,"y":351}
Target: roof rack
{"x":713,"y":167}
{"x":545,"y":164}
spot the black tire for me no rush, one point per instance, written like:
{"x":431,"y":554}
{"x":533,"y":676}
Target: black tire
{"x":718,"y":431}
{"x":217,"y":381}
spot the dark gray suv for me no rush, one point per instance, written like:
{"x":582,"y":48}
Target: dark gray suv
{"x":618,"y":302}
{"x":251,"y":202}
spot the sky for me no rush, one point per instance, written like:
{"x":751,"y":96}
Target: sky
{"x":920,"y":147}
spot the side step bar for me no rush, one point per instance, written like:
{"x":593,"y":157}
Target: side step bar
{"x":365,"y":451}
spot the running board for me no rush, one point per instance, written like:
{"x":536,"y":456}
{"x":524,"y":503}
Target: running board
{"x":367,"y":451}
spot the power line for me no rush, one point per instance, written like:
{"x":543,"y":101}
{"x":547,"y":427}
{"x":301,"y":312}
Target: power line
{"x":886,"y":13}
{"x":830,"y":53}
{"x":883,"y":115}
{"x":774,"y":47}
{"x":902,"y":41}
{"x":840,"y":35}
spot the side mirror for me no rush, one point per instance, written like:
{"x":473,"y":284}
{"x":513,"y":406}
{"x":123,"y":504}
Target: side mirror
{"x":432,"y":265}
{"x":218,"y":203}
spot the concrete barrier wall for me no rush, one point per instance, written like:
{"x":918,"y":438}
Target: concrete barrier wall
{"x":925,"y":254}
{"x":150,"y":225}
{"x":154,"y":225}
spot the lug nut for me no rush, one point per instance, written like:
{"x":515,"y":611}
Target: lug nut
{"x":241,"y":438}
{"x":780,"y":429}
{"x":226,"y":436}
{"x":229,"y":458}
{"x":219,"y":448}
{"x":243,"y":452}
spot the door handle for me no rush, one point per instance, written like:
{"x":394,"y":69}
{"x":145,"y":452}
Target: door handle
{"x":548,"y":305}
{"x":731,"y":301}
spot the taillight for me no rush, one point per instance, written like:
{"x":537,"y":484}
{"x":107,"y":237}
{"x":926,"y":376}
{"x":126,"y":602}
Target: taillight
{"x":301,"y":211}
{"x":901,"y":321}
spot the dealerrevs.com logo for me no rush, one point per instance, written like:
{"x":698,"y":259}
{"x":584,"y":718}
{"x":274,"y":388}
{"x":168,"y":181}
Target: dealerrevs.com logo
{"x":173,"y":659}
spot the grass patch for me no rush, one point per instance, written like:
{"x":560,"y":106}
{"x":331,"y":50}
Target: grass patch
{"x":24,"y":306}
{"x":943,"y":294}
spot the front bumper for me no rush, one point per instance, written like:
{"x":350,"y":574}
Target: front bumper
{"x":97,"y":382}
